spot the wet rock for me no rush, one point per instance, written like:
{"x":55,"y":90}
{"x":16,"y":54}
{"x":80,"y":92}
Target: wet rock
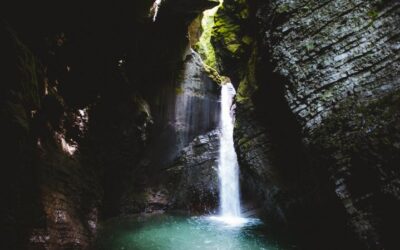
{"x":318,"y":63}
{"x":197,"y":188}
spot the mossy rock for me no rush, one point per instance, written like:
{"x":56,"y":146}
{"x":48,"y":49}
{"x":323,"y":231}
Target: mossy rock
{"x":231,"y":36}
{"x":248,"y":83}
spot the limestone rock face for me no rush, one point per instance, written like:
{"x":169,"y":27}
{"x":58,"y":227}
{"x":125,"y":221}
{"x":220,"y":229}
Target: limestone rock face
{"x":331,"y":50}
{"x":315,"y":103}
{"x":50,"y":200}
{"x":338,"y":58}
{"x":197,"y":190}
{"x":188,"y":106}
{"x":190,"y":184}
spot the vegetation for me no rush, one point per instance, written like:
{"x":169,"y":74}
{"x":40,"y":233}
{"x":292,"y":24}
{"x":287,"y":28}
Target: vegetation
{"x":204,"y":46}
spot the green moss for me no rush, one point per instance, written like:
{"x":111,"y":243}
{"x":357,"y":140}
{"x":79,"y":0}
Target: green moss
{"x":245,"y":143}
{"x":248,"y":84}
{"x":244,"y":14}
{"x":373,"y":14}
{"x":204,"y":46}
{"x":179,"y":90}
{"x":223,"y":33}
{"x":327,"y":95}
{"x":233,"y":48}
{"x":227,"y":34}
{"x":232,"y":35}
{"x":310,"y":45}
{"x":247,"y":40}
{"x":214,"y":75}
{"x":283,"y":8}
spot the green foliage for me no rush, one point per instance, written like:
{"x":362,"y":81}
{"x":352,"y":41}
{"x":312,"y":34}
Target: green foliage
{"x":222,"y":28}
{"x":204,"y":46}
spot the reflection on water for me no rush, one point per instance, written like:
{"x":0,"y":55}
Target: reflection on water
{"x":182,"y":233}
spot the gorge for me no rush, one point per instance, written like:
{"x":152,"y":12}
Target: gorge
{"x":200,"y":124}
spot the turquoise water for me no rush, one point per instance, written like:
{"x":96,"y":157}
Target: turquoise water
{"x":168,"y":232}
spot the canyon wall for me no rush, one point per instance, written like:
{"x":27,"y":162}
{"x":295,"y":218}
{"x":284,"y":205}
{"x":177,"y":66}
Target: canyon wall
{"x":93,"y":97}
{"x":317,"y":119}
{"x":87,"y":92}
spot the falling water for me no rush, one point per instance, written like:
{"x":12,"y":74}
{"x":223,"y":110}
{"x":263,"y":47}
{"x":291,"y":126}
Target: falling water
{"x":228,"y":169}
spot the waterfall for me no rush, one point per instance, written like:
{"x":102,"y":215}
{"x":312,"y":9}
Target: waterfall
{"x":228,"y":169}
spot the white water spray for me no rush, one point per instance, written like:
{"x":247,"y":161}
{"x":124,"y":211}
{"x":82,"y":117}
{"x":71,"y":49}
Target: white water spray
{"x":228,"y":169}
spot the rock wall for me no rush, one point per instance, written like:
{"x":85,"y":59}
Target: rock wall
{"x":359,"y":145}
{"x":50,"y":199}
{"x":338,"y":57}
{"x":196,"y":172}
{"x":189,"y":184}
{"x":331,"y":50}
{"x":186,"y":108}
{"x":317,"y":87}
{"x":81,"y":101}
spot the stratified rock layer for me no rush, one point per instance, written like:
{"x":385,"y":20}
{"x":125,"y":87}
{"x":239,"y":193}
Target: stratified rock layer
{"x":316,"y":102}
{"x":331,"y":50}
{"x":190,"y":184}
{"x":198,"y":187}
